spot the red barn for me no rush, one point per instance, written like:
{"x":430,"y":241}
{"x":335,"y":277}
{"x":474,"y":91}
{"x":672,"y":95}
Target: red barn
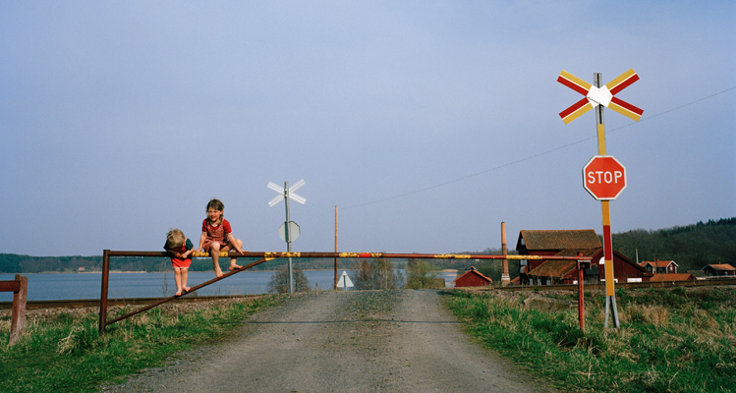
{"x":570,"y":243}
{"x":472,"y":278}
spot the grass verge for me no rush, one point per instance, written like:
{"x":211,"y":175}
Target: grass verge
{"x":63,"y":352}
{"x":670,"y":340}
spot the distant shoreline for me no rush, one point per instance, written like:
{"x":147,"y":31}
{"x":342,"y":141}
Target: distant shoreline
{"x":194,"y":271}
{"x":158,"y":271}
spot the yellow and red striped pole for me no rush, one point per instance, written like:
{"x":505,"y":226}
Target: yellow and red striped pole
{"x":606,"y":214}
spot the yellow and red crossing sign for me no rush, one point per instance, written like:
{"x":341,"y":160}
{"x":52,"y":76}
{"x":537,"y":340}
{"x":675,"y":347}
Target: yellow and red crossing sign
{"x":603,"y":177}
{"x":595,"y":96}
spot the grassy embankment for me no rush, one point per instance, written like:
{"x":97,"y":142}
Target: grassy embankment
{"x":63,"y":352}
{"x":670,"y":340}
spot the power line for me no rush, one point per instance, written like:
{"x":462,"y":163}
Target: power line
{"x":533,"y":156}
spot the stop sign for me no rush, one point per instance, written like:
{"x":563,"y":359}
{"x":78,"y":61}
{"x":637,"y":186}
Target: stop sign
{"x":604,"y":177}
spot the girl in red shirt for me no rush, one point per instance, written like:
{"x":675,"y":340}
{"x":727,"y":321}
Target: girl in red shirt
{"x":217,"y":236}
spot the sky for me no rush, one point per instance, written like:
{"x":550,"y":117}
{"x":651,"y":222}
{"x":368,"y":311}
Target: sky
{"x":426,"y":123}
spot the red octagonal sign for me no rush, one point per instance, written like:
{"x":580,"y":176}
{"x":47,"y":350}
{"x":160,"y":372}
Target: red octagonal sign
{"x":604,"y":177}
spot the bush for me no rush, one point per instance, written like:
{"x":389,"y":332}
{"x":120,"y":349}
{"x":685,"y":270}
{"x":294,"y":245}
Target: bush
{"x":377,"y":274}
{"x":421,"y":275}
{"x":280,"y":281}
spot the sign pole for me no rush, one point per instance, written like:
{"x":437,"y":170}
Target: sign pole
{"x":335,"y":261}
{"x":286,"y":194}
{"x":606,"y":214}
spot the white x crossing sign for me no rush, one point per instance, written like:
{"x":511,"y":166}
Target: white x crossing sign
{"x":286,"y":192}
{"x":595,"y":96}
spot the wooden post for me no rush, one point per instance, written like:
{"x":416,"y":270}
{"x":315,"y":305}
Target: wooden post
{"x":581,"y":293}
{"x":18,"y":318}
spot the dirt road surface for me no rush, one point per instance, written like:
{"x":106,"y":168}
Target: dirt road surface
{"x":403,"y":341}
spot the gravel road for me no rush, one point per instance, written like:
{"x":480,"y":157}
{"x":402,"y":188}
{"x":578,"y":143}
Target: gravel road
{"x":402,"y":341}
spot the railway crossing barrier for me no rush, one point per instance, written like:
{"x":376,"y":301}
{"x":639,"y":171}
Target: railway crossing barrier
{"x":265,"y":256}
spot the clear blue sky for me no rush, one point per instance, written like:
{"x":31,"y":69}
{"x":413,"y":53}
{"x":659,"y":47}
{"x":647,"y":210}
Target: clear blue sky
{"x":426,"y":123}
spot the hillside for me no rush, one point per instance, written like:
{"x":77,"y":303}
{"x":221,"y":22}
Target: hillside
{"x":692,"y":247}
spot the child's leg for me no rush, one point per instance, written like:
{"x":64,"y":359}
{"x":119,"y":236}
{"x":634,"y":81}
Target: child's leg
{"x":184,"y":279}
{"x":215,"y":253}
{"x":177,"y":279}
{"x":234,"y":261}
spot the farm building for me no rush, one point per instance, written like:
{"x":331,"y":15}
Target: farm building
{"x":720,"y":269}
{"x":472,"y":278}
{"x":571,"y":243}
{"x":660,"y":266}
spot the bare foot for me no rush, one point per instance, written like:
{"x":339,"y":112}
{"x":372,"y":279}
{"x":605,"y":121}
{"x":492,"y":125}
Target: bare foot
{"x":178,"y":293}
{"x":234,"y":266}
{"x":187,"y":289}
{"x":219,"y":273}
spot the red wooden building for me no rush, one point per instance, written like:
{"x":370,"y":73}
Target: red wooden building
{"x":571,"y":243}
{"x":472,"y":278}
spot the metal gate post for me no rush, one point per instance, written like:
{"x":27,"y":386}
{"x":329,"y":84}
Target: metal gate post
{"x":103,"y":294}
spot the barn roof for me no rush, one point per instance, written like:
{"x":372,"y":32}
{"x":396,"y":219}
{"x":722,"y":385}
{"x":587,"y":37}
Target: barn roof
{"x":553,"y":268}
{"x":672,"y":277}
{"x":658,"y":263}
{"x":721,"y":266}
{"x":536,"y":240}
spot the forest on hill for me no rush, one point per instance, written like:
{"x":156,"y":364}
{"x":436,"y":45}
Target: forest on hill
{"x":692,"y":247}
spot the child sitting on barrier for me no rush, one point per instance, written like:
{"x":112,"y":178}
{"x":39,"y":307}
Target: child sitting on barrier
{"x":217,"y":236}
{"x":180,"y":249}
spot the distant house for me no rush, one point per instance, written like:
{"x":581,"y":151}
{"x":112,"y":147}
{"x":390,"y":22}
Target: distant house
{"x":672,"y":277}
{"x":720,"y":269}
{"x":660,"y":266}
{"x":571,"y":243}
{"x":472,"y":278}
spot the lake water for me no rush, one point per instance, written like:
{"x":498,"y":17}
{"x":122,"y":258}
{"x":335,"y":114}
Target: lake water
{"x":72,"y":286}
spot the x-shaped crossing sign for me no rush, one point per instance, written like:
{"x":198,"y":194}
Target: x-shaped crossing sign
{"x":286,"y":192}
{"x":595,"y":96}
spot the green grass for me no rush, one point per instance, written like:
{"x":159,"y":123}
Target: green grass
{"x":670,"y":340}
{"x":65,"y":353}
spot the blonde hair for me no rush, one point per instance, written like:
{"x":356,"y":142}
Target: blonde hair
{"x":175,"y":238}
